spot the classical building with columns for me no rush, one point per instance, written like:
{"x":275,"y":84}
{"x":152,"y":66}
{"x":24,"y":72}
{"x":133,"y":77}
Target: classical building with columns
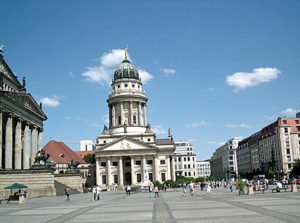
{"x":127,"y":151}
{"x":21,"y":122}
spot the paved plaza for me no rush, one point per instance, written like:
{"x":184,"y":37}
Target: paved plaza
{"x":219,"y":206}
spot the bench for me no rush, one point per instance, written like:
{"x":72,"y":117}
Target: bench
{"x":279,"y":189}
{"x":12,"y":198}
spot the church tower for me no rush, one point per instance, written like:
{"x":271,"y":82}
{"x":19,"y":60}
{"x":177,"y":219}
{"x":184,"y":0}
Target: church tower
{"x":127,"y":103}
{"x":127,"y":151}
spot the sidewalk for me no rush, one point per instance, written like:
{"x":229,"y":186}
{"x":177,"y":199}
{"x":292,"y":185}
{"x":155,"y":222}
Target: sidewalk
{"x":219,"y":206}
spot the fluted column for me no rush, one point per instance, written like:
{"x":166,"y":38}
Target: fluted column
{"x":8,"y":142}
{"x":145,"y":115}
{"x":1,"y":140}
{"x":109,"y":181}
{"x":156,"y":169}
{"x":33,"y":144}
{"x":173,"y":169}
{"x":26,"y":150}
{"x":40,"y":139}
{"x":168,"y":168}
{"x":18,"y":146}
{"x":98,"y":177}
{"x":133,"y":178}
{"x":121,"y":183}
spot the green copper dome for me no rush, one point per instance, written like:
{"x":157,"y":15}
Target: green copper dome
{"x":126,"y":70}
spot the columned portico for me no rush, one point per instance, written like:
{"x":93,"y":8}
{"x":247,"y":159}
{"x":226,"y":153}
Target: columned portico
{"x":26,"y":150}
{"x":121,"y":172}
{"x":109,"y":181}
{"x":33,"y":144}
{"x":18,"y":145}
{"x":8,"y":142}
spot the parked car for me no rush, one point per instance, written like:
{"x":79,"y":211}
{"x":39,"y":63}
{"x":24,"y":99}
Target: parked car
{"x":298,"y":181}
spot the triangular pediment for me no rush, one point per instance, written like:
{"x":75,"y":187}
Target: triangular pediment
{"x":27,"y":102}
{"x":8,"y":74}
{"x":125,"y":144}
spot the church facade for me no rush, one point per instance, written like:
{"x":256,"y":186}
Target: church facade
{"x":127,"y":151}
{"x":21,"y":122}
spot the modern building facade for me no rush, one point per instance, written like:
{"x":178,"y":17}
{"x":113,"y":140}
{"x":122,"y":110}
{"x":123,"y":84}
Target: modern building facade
{"x":87,"y":145}
{"x":203,"y":168}
{"x":21,"y":122}
{"x":127,"y":151}
{"x":185,"y":159}
{"x":223,"y":162}
{"x":273,"y":149}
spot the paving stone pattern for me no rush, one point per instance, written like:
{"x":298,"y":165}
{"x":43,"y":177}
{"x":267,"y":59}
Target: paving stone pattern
{"x":220,"y":206}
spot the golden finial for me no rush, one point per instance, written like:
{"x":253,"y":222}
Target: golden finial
{"x":126,"y":52}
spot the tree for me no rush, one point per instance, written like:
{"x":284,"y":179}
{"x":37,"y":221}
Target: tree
{"x":90,"y":158}
{"x":296,"y":169}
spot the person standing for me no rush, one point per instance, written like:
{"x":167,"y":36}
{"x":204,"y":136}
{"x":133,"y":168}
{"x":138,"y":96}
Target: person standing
{"x":156,"y":191}
{"x":67,"y":192}
{"x":94,"y":193}
{"x":98,"y":191}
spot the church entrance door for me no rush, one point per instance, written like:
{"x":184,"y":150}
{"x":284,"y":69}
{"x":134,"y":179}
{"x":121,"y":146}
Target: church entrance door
{"x":128,"y":178}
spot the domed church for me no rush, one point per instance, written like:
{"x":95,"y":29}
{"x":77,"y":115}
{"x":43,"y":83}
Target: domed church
{"x":127,"y":151}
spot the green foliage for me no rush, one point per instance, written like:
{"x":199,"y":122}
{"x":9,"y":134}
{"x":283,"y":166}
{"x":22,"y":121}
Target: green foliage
{"x":240,"y":185}
{"x":158,"y":184}
{"x":296,"y":169}
{"x":170,"y":183}
{"x":90,"y":158}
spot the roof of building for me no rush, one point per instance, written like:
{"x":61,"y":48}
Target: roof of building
{"x":126,"y":70}
{"x":164,"y":141}
{"x":61,"y":153}
{"x":82,"y":154}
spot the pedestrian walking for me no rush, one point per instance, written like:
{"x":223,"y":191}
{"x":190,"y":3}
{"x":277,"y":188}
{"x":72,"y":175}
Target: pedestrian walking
{"x":128,"y":190}
{"x":156,"y":191}
{"x":94,"y":193}
{"x":98,"y":191}
{"x":67,"y":192}
{"x":183,"y":191}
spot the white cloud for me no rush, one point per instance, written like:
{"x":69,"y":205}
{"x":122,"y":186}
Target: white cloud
{"x":196,"y":125}
{"x":215,"y":143}
{"x":290,"y":112}
{"x":158,"y":129}
{"x":236,"y":126}
{"x":242,"y":80}
{"x":103,"y":74}
{"x":169,"y":71}
{"x":50,"y":101}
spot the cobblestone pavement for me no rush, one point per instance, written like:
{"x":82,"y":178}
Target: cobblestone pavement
{"x":220,"y":206}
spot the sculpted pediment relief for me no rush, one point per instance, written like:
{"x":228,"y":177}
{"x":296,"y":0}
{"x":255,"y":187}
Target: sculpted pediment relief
{"x":124,"y":144}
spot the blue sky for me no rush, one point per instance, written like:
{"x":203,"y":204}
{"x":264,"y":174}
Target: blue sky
{"x":213,"y":70}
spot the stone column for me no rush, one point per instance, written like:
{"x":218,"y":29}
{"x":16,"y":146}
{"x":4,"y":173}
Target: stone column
{"x":156,"y":169}
{"x":133,"y":178}
{"x":26,"y":150}
{"x":144,"y":169}
{"x":122,"y":114}
{"x":121,"y":182}
{"x":8,"y":142}
{"x":139,"y":114}
{"x":113,"y":116}
{"x":131,"y":113}
{"x":1,"y":140}
{"x":168,"y":168}
{"x":18,"y":145}
{"x":109,"y":182}
{"x":33,"y":144}
{"x":173,"y":169}
{"x":98,"y":177}
{"x":110,"y":116}
{"x":40,"y":139}
{"x":145,"y":115}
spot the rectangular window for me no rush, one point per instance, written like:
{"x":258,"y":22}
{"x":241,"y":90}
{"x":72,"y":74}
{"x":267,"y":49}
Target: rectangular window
{"x":179,"y":159}
{"x":184,"y":166}
{"x":114,"y":163}
{"x":103,"y":179}
{"x":115,"y":179}
{"x":149,"y":162}
{"x":119,"y":120}
{"x":139,"y":178}
{"x":189,"y":166}
{"x":138,"y":162}
{"x":184,"y":159}
{"x":286,"y":130}
{"x":150,"y":177}
{"x":162,"y":162}
{"x":127,"y":164}
{"x":134,"y":119}
{"x":163,"y":177}
{"x":103,"y":164}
